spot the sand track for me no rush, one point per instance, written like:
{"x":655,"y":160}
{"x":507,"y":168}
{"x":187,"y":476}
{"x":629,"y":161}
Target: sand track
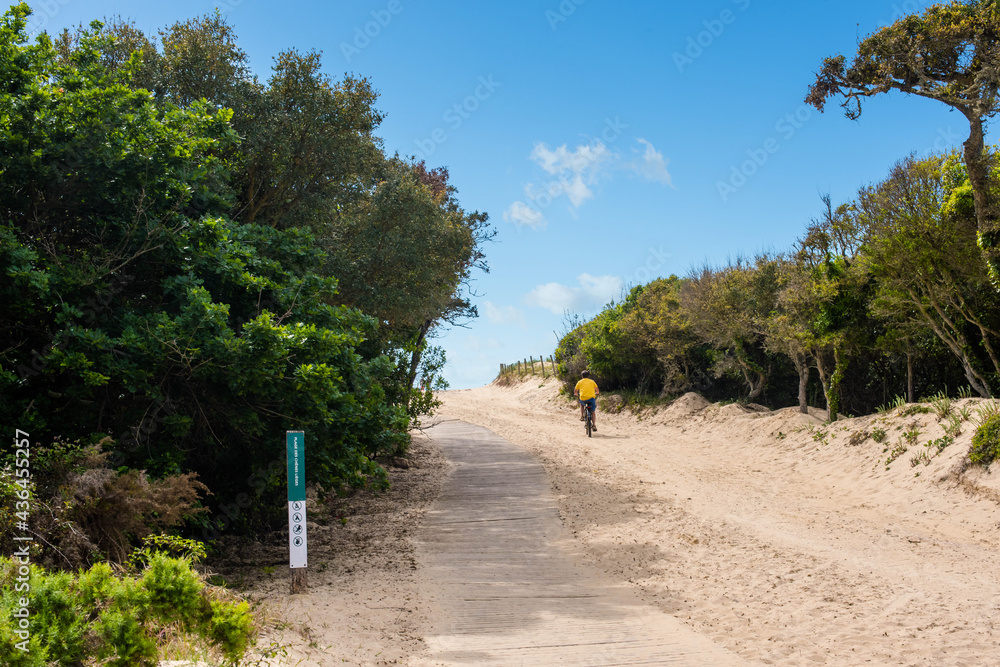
{"x":505,"y":582}
{"x":785,"y":540}
{"x":768,"y":532}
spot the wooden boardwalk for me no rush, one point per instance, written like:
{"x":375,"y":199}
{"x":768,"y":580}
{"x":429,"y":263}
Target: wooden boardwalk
{"x":507,"y":585}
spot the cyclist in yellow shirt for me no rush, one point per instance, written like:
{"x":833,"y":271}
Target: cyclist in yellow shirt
{"x":587,"y":391}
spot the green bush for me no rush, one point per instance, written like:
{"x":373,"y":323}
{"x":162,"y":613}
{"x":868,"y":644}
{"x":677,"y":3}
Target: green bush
{"x":986,"y":442}
{"x":116,"y":619}
{"x":230,"y":628}
{"x":170,"y":545}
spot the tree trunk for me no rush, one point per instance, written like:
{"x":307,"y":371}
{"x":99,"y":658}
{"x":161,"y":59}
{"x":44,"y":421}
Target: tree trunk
{"x":831,"y":383}
{"x":755,"y":376}
{"x":418,"y":348}
{"x":802,"y":366}
{"x":977,"y":164}
{"x":955,"y":341}
{"x":839,"y":368}
{"x":823,"y":377}
{"x":757,"y":388}
{"x":910,"y":393}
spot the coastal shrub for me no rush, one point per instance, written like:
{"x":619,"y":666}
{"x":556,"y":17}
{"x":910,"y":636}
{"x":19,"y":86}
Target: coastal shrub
{"x":986,"y":442}
{"x":85,"y":511}
{"x":170,"y":545}
{"x":116,"y":620}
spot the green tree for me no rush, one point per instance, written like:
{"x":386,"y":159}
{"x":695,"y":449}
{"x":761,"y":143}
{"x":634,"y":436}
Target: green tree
{"x":729,"y":309}
{"x":948,"y":53}
{"x":141,"y":310}
{"x":617,"y":357}
{"x":659,"y":323}
{"x":309,"y":161}
{"x":921,"y":247}
{"x":829,"y":298}
{"x":788,"y":327}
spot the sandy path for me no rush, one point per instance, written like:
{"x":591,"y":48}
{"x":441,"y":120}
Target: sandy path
{"x":364,"y":605}
{"x":504,"y":581}
{"x":768,"y":532}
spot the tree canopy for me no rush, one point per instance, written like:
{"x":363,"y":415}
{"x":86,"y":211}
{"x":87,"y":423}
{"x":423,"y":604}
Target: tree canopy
{"x":193,"y":262}
{"x":949,"y":53}
{"x":873,"y":284}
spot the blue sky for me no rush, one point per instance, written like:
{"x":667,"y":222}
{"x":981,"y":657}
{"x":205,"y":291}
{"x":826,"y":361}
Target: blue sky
{"x":610,"y":143}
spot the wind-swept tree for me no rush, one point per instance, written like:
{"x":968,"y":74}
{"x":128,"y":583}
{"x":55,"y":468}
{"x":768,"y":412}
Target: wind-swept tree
{"x":920,"y":247}
{"x":789,"y":329}
{"x":949,"y":53}
{"x":660,"y":324}
{"x":729,"y":308}
{"x":828,"y":296}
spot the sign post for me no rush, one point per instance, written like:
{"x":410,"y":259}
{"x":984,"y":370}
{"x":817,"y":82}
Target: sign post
{"x":295,"y":444}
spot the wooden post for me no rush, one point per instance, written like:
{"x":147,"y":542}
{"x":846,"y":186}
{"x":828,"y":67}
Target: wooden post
{"x":299,"y":582}
{"x":553,"y":360}
{"x":542,"y":359}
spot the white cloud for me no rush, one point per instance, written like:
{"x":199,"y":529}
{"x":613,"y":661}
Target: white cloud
{"x":503,"y":314}
{"x":577,"y":191}
{"x":561,"y":160}
{"x":590,"y":293}
{"x":523,"y":215}
{"x":652,"y":165}
{"x":575,"y":172}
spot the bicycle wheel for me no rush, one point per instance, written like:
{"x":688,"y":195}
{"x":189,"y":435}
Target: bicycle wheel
{"x":590,"y":423}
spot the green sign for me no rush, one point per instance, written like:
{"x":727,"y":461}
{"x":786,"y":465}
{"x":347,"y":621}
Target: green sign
{"x":295,"y":441}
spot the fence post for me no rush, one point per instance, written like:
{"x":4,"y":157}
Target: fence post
{"x":553,"y":360}
{"x":542,"y":359}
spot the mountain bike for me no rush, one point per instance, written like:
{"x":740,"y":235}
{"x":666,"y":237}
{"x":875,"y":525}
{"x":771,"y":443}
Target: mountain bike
{"x":589,"y":411}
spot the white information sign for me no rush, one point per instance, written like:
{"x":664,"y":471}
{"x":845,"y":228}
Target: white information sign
{"x":297,"y":534}
{"x":295,"y":443}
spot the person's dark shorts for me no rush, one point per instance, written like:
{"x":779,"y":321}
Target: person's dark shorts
{"x":590,"y":403}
